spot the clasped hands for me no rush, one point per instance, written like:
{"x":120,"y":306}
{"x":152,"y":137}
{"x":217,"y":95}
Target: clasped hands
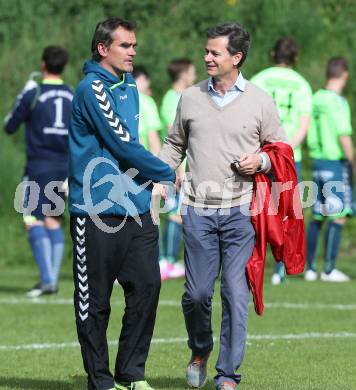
{"x":248,"y":164}
{"x":160,"y":191}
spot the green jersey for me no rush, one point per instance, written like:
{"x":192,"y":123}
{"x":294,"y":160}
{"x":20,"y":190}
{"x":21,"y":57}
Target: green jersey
{"x":331,"y":119}
{"x":149,"y":118}
{"x":292,"y":94}
{"x":168,"y":110}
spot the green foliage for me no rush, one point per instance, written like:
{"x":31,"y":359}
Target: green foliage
{"x":170,"y":29}
{"x":166,"y":30}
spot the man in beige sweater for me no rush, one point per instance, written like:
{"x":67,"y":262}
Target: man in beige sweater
{"x":220,"y":120}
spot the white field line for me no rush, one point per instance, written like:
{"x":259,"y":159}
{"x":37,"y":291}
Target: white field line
{"x":163,"y":302}
{"x":320,"y":306}
{"x":178,"y":340}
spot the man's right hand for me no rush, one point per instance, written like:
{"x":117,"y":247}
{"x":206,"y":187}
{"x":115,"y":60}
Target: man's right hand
{"x":158,"y":192}
{"x":249,"y":163}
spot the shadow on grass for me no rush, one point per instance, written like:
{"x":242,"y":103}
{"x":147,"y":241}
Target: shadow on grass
{"x":13,"y":289}
{"x":174,"y":383}
{"x":79,"y":383}
{"x":38,"y":384}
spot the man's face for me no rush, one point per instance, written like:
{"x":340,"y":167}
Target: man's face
{"x":219,"y":62}
{"x":189,"y":76}
{"x":343,"y":78}
{"x":143,"y":84}
{"x":118,"y":57}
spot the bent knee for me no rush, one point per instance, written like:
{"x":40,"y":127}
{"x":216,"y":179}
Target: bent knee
{"x":197,"y":296}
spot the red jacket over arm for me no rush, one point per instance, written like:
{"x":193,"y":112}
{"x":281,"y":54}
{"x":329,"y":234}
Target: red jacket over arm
{"x":277,"y":217}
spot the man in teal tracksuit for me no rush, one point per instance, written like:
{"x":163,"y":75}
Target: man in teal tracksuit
{"x":110,"y":177}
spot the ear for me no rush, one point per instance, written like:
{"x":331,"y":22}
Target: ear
{"x":236,"y":58}
{"x":102,"y":49}
{"x":43,"y":67}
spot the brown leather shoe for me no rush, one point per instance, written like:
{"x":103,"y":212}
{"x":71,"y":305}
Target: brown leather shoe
{"x":197,"y":371}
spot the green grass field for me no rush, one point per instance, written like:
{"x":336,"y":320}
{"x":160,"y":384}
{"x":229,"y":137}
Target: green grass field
{"x":306,"y":338}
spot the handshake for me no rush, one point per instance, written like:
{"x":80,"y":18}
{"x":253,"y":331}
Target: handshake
{"x":163,"y":191}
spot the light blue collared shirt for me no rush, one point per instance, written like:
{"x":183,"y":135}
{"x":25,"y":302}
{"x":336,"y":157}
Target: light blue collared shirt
{"x":230,"y":94}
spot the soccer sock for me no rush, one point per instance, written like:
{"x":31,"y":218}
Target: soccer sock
{"x":332,"y":243}
{"x":166,"y":239}
{"x":312,"y":243}
{"x":41,"y":249}
{"x":57,"y":242}
{"x":172,"y":240}
{"x":162,"y":253}
{"x":279,"y":269}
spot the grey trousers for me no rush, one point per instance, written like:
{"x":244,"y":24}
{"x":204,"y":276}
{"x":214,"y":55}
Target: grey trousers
{"x":217,"y":239}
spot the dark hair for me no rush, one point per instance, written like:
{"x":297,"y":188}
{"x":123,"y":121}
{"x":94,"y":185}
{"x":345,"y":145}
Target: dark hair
{"x":285,"y":51}
{"x":103,"y":33}
{"x":140,"y":71}
{"x":336,"y":67}
{"x":178,"y":66}
{"x":239,"y":38}
{"x":55,"y":59}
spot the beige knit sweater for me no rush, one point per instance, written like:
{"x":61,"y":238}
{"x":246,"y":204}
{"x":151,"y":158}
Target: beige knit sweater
{"x":212,"y":137}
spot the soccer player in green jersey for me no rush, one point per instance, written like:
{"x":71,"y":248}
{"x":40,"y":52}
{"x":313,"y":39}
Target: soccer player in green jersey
{"x":182,"y":74}
{"x":331,"y":148}
{"x":149,"y":121}
{"x":293,"y":96}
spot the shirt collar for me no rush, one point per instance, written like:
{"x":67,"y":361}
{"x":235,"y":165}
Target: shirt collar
{"x":239,"y":84}
{"x":52,"y":81}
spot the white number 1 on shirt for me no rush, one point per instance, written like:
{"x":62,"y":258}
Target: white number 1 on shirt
{"x":59,"y":113}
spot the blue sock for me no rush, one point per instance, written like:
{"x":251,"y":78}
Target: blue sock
{"x":172,"y":237}
{"x":332,"y":243}
{"x":41,"y":249}
{"x":280,"y":269}
{"x":57,"y":242}
{"x":162,"y":254}
{"x":312,"y":243}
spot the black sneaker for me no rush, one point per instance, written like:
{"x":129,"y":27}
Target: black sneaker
{"x":42,"y":289}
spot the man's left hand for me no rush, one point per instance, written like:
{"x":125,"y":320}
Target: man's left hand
{"x":249,"y":163}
